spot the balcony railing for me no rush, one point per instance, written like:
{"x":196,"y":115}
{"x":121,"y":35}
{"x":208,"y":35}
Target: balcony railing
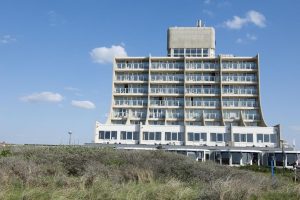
{"x":167,"y":90}
{"x":131,"y":90}
{"x":239,"y":65}
{"x":201,"y":78}
{"x":156,"y":115}
{"x":131,"y":102}
{"x":131,"y":78}
{"x":166,"y":103}
{"x":240,"y":104}
{"x":202,"y":91}
{"x":133,"y":65}
{"x":240,"y":91}
{"x":239,"y":78}
{"x":167,"y":65}
{"x":175,"y":115}
{"x":203,"y":103}
{"x":201,"y":65}
{"x":166,"y":78}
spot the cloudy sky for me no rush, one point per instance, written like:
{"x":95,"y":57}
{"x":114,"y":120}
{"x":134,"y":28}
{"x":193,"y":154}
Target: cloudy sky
{"x":55,"y":57}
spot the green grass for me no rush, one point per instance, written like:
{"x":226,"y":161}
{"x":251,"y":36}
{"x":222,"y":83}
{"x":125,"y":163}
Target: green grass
{"x":94,"y":173}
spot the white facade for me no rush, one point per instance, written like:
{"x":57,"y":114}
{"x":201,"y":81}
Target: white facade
{"x":190,"y":98}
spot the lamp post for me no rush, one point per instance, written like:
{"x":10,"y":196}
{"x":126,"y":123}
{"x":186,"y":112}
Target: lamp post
{"x":70,"y":136}
{"x":283,"y":156}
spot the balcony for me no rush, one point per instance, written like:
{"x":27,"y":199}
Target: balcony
{"x":193,"y":79}
{"x":237,"y":104}
{"x":172,"y":66}
{"x":241,"y":92}
{"x":167,"y":78}
{"x":169,"y":103}
{"x":132,"y":66}
{"x":243,"y":79}
{"x":212,"y":104}
{"x":130,"y":103}
{"x":130,"y":91}
{"x":239,"y":66}
{"x":202,"y":91}
{"x":167,"y":91}
{"x":131,"y":78}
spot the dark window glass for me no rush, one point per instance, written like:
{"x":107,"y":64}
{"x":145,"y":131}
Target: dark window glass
{"x":236,"y":137}
{"x":191,"y":136}
{"x":260,"y":138}
{"x":158,"y":136}
{"x":136,"y":135}
{"x":174,"y":136}
{"x":145,"y":135}
{"x":197,"y":136}
{"x":213,"y":137}
{"x":151,"y":136}
{"x":107,"y":134}
{"x":114,"y":135}
{"x":249,"y":137}
{"x":180,"y":138}
{"x":266,"y":138}
{"x":243,"y":138}
{"x":101,"y":134}
{"x":167,"y":136}
{"x":203,"y":136}
{"x":273,"y":138}
{"x":129,"y":136}
{"x":123,"y":135}
{"x":220,"y":137}
{"x":227,"y":137}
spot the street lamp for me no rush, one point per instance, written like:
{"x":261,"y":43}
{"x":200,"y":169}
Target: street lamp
{"x":70,"y":136}
{"x":283,"y":156}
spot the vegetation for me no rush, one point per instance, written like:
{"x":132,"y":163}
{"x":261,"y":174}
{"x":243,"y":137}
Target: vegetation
{"x":94,"y":173}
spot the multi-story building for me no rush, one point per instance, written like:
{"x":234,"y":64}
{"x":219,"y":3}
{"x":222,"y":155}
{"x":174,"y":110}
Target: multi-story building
{"x":189,"y":99}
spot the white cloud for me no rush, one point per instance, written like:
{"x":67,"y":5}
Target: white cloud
{"x":83,"y":104}
{"x":106,"y":54}
{"x":252,"y":17}
{"x":6,"y":39}
{"x":43,"y":97}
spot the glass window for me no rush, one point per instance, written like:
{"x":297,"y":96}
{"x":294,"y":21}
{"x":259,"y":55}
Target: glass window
{"x":220,"y":137}
{"x":167,"y":136}
{"x":158,"y":136}
{"x":129,"y":136}
{"x":213,"y":137}
{"x":236,"y":137}
{"x":249,"y":137}
{"x":174,"y":136}
{"x":123,"y":135}
{"x":151,"y":136}
{"x":145,"y":135}
{"x":203,"y":136}
{"x":243,"y":138}
{"x":136,"y":135}
{"x":191,"y":136}
{"x":273,"y":138}
{"x":114,"y":135}
{"x":107,"y":134}
{"x":197,"y":136}
{"x":180,"y":138}
{"x":101,"y":134}
{"x":227,"y":137}
{"x":266,"y":137}
{"x":260,"y":138}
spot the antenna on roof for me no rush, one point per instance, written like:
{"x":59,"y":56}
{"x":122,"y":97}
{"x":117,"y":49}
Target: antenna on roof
{"x":199,"y":23}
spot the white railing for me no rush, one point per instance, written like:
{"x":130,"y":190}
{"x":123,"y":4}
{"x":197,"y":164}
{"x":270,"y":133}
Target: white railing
{"x":166,"y":78}
{"x":166,"y":103}
{"x":202,"y":65}
{"x":239,"y":91}
{"x":131,"y":102}
{"x":131,"y":78}
{"x":203,"y":103}
{"x":239,"y":78}
{"x":167,"y":65}
{"x":167,"y":90}
{"x":131,"y":90}
{"x":201,"y":78}
{"x":156,"y":115}
{"x":133,"y":65}
{"x":239,"y":65}
{"x":202,"y":91}
{"x":240,"y":104}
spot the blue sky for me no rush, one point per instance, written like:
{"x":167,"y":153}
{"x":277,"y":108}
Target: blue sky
{"x":51,"y":80}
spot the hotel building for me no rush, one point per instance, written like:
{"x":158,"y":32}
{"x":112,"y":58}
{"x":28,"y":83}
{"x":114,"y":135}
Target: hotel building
{"x":191,"y":101}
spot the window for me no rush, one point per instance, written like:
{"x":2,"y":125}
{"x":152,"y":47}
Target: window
{"x":213,"y":137}
{"x":145,"y":135}
{"x":249,"y":137}
{"x":273,"y":138}
{"x":123,"y":135}
{"x":203,"y":136}
{"x":227,"y":137}
{"x":180,"y":138}
{"x":101,"y":134}
{"x":107,"y":134}
{"x":220,"y":137}
{"x":151,"y":136}
{"x":174,"y":136}
{"x":158,"y":136}
{"x":266,"y":138}
{"x":260,"y":138}
{"x":243,"y":138}
{"x":190,"y":136}
{"x":197,"y":136}
{"x":136,"y":135}
{"x":236,"y":137}
{"x":114,"y":135}
{"x":129,"y":136}
{"x":168,"y":136}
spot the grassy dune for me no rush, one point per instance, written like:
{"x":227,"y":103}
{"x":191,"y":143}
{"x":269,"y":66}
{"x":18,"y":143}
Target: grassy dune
{"x":93,"y":173}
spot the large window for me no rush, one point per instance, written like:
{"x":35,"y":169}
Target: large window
{"x":249,"y":137}
{"x":136,"y":135}
{"x":101,"y":134}
{"x":260,"y":138}
{"x":220,"y":137}
{"x":197,"y":136}
{"x":152,"y":135}
{"x":236,"y":137}
{"x":213,"y":137}
{"x":174,"y":136}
